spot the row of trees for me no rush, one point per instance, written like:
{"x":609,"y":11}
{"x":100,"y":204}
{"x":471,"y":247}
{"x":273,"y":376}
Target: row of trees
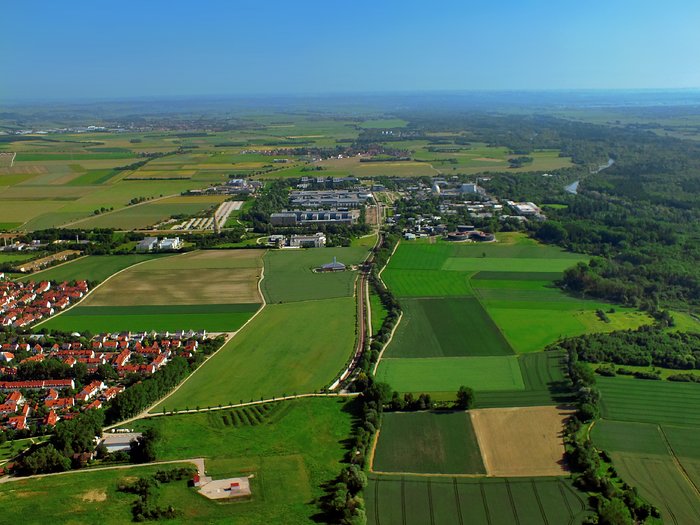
{"x":646,"y":346}
{"x":616,"y":502}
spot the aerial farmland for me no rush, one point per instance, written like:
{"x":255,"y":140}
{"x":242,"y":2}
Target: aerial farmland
{"x":439,"y":352}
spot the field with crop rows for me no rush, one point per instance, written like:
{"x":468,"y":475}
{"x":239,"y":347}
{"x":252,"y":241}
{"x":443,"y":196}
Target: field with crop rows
{"x":427,"y":442}
{"x":464,"y":501}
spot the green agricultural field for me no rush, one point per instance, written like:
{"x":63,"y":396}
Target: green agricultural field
{"x":461,"y":501}
{"x":428,"y":442}
{"x":660,"y":402}
{"x":447,"y":374}
{"x":273,"y":355}
{"x":420,"y":256}
{"x":659,"y":480}
{"x":299,"y":445}
{"x":545,"y":384}
{"x":503,"y":264}
{"x":91,"y":268}
{"x":210,"y":317}
{"x":446,"y":328}
{"x":289,"y":276}
{"x":427,"y":283}
{"x":629,"y":436}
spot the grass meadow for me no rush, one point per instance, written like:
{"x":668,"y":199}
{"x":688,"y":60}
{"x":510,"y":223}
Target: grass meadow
{"x":289,"y":276}
{"x":288,"y":348}
{"x":484,"y":501}
{"x":429,"y":443}
{"x":298,"y":444}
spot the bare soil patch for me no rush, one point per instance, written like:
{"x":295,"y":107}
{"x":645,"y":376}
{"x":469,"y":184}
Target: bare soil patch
{"x":522,"y":441}
{"x":94,"y":495}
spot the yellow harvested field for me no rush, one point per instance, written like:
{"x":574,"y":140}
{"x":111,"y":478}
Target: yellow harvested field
{"x":201,"y":286}
{"x":208,"y":259}
{"x":522,"y":441}
{"x":200,"y":277}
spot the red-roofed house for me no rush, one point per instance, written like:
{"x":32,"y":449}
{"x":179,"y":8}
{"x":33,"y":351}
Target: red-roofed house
{"x":90,"y":391}
{"x":51,"y":419}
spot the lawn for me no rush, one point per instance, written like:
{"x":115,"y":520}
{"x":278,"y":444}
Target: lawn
{"x":300,"y":445}
{"x":446,"y":328}
{"x":447,"y":374}
{"x":428,"y":442}
{"x":289,"y":276}
{"x":170,"y":317}
{"x":459,"y":501}
{"x":91,"y":268}
{"x":660,"y":402}
{"x":288,"y":348}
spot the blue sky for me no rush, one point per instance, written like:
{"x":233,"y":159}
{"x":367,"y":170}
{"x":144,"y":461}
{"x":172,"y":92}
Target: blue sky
{"x":119,"y":49}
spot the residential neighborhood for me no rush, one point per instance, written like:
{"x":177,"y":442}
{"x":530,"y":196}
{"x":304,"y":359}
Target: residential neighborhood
{"x":24,"y":303}
{"x":43,"y":402}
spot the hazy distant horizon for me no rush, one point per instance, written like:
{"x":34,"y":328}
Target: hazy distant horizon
{"x":87,"y":50}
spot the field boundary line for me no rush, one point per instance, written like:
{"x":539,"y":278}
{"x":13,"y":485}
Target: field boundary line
{"x":95,"y":288}
{"x":68,"y":224}
{"x":373,"y":450}
{"x":230,"y":338}
{"x":676,"y":461}
{"x":391,"y":337}
{"x":433,"y":475}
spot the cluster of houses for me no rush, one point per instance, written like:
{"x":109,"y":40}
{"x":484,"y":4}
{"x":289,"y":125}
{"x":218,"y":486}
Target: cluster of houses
{"x":126,"y":353}
{"x":22,"y":304}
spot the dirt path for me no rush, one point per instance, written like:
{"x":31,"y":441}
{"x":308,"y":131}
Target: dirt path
{"x":199,"y":462}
